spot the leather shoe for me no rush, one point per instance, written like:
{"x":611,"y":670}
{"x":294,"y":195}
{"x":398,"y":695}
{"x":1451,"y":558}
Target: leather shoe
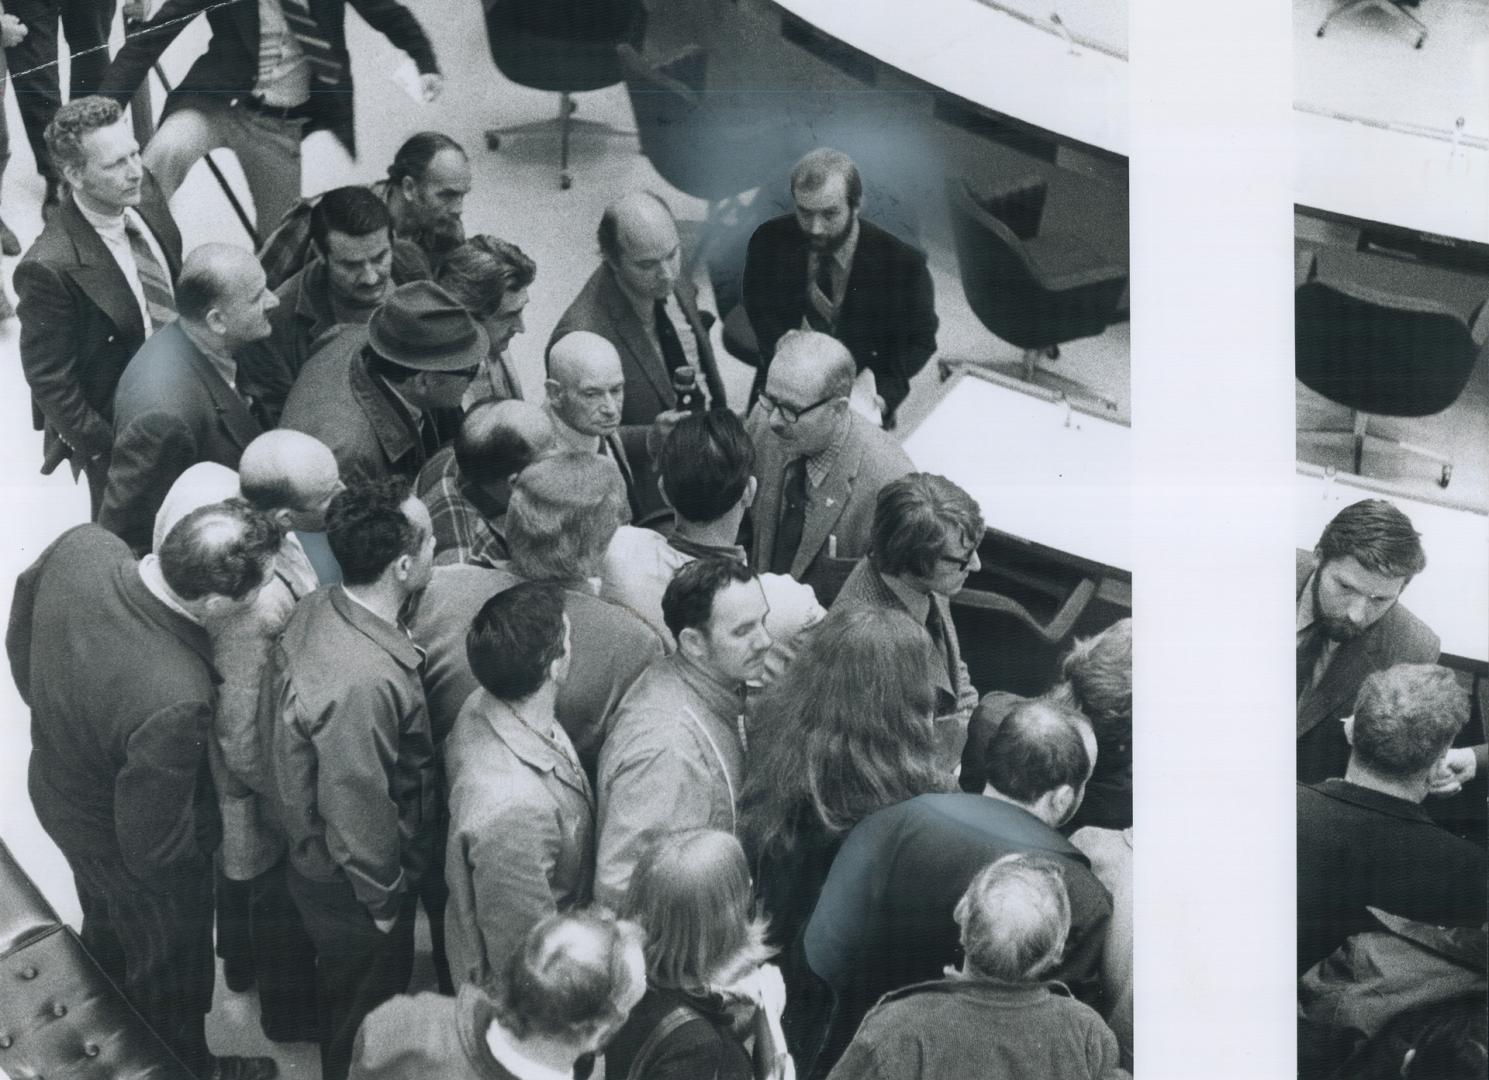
{"x":9,"y":244}
{"x":243,"y":1068}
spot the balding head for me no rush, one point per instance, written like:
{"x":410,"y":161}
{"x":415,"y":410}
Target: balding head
{"x":217,"y":557}
{"x":1040,"y":758}
{"x":638,"y":238}
{"x":292,"y":476}
{"x":498,"y":439}
{"x":222,"y":292}
{"x":810,"y":377}
{"x":586,"y":384}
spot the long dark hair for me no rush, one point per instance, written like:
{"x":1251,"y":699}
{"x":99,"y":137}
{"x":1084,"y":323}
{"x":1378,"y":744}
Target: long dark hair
{"x":846,"y":730}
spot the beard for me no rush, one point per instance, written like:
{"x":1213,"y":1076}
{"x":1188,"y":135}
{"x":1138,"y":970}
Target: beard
{"x":1337,"y":630}
{"x":826,"y":245}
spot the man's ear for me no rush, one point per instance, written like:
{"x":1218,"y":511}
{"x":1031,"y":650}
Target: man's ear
{"x":1349,"y":729}
{"x":1062,"y":802}
{"x":552,"y":389}
{"x":1318,"y":558}
{"x":408,"y":186}
{"x":284,"y":518}
{"x":692,"y":643}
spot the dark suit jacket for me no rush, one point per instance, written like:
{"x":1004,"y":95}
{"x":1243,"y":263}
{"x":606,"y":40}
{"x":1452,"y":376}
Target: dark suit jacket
{"x":1399,"y":637}
{"x":888,"y":315}
{"x":1359,"y":847}
{"x":842,"y":507}
{"x":602,"y":308}
{"x":122,"y":691}
{"x":80,"y":324}
{"x":229,"y":67}
{"x":172,"y":411}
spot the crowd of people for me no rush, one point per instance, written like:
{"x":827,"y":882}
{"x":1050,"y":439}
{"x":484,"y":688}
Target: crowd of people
{"x":1391,"y":889}
{"x":652,"y":708}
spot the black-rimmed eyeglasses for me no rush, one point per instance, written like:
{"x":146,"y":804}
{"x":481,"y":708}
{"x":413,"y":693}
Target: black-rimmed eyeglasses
{"x":790,"y":413}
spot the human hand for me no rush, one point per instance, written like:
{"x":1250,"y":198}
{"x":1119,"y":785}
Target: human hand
{"x":12,"y":30}
{"x":431,"y":86}
{"x":1456,"y":768}
{"x":661,"y":427}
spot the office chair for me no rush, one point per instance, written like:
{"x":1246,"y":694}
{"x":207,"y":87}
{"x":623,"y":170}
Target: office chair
{"x":1391,"y":7}
{"x":1033,"y":290}
{"x":562,"y":45}
{"x":1382,"y":353}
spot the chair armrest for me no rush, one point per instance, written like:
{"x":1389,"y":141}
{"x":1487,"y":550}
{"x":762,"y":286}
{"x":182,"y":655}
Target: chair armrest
{"x":1478,"y":327}
{"x":1052,"y":632}
{"x":1064,"y":263}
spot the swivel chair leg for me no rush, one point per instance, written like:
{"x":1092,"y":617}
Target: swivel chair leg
{"x":1388,"y":6}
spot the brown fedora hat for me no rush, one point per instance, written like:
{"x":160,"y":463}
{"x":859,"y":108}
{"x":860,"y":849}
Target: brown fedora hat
{"x":420,"y":326}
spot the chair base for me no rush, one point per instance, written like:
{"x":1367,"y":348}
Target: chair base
{"x":565,"y":124}
{"x":1027,"y":372}
{"x":1384,"y":5}
{"x":1359,"y":437}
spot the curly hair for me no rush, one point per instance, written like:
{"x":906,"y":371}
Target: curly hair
{"x":846,"y":730}
{"x":515,"y":636}
{"x":75,"y":121}
{"x":1406,"y":716}
{"x":367,"y":528}
{"x":224,"y":549}
{"x":480,"y":273}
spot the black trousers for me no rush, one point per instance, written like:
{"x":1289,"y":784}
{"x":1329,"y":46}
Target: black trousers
{"x":38,"y":92}
{"x":357,"y":966}
{"x":155,"y":941}
{"x":283,"y":960}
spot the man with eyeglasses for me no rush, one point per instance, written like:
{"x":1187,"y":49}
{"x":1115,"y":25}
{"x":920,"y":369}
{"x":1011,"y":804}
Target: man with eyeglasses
{"x":819,"y":464}
{"x":922,"y":547}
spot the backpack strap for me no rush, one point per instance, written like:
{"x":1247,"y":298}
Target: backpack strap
{"x":641,"y":1063}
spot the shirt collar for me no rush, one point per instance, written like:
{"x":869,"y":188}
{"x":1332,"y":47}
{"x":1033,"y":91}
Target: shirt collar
{"x":722,"y":700}
{"x":820,"y":465}
{"x":113,"y":223}
{"x":510,"y":1056}
{"x":154,"y":580}
{"x":392,"y":637}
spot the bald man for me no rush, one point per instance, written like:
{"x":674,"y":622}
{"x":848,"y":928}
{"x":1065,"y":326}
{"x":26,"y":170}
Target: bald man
{"x":586,"y":389}
{"x":638,"y":301}
{"x":819,"y":464}
{"x":467,"y":485}
{"x":177,"y":402}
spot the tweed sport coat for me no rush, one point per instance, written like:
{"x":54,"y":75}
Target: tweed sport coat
{"x":842,"y":507}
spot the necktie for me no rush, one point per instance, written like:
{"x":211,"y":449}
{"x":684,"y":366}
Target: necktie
{"x":1308,"y":653}
{"x":324,"y":63}
{"x":428,"y":436}
{"x":936,"y":627}
{"x":672,"y":352}
{"x":793,"y":516}
{"x":160,"y":301}
{"x":819,"y":296}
